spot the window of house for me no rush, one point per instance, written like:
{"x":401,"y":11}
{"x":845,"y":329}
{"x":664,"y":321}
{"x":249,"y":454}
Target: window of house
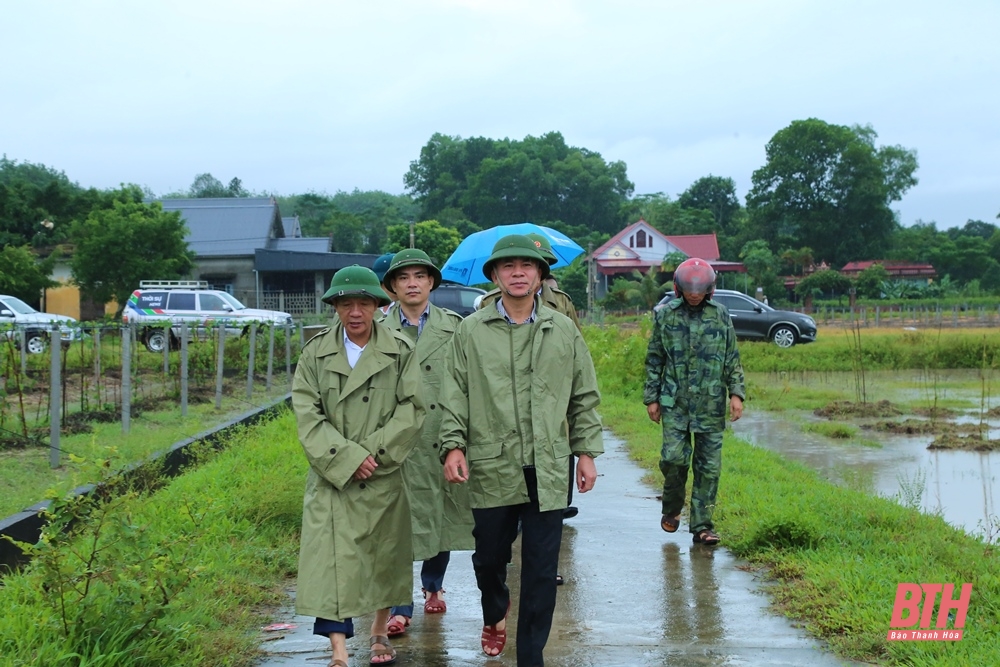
{"x":640,"y":239}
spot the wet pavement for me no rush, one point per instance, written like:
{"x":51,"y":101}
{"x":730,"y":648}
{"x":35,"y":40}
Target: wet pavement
{"x":634,"y":595}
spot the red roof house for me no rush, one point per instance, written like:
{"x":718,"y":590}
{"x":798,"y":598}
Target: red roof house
{"x":641,"y":246}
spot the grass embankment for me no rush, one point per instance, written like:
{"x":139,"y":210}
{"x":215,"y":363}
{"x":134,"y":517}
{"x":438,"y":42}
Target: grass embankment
{"x":26,"y":476}
{"x":172,"y":578}
{"x":836,"y":555}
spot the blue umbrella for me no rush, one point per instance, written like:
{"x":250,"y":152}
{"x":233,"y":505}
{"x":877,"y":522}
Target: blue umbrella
{"x":465,"y":266}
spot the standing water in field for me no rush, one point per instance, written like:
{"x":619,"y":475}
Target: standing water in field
{"x":961,"y":485}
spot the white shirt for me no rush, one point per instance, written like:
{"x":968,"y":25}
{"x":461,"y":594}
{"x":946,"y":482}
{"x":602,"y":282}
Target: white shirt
{"x":353,"y":350}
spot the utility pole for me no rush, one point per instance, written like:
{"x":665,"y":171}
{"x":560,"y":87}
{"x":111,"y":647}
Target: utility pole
{"x":590,"y":280}
{"x":412,"y":244}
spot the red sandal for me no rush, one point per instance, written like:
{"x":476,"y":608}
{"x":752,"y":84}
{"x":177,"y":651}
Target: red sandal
{"x":494,"y":639}
{"x":396,"y":629}
{"x":434,"y":604}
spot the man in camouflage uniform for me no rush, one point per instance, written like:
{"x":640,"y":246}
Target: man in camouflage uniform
{"x":691,"y":364}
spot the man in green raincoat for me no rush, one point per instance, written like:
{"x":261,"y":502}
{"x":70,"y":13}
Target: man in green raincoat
{"x":357,"y":401}
{"x":692,"y":363}
{"x":440,"y":512}
{"x":519,"y":373}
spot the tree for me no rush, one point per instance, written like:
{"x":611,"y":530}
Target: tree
{"x":23,"y":275}
{"x":714,"y":194}
{"x":131,"y":241}
{"x":572,"y":279}
{"x":828,"y":187}
{"x":797,"y":261}
{"x":762,"y":267}
{"x":430,"y":236}
{"x":869,"y":281}
{"x":826,"y":281}
{"x":497,"y":182}
{"x":206,"y":185}
{"x":647,"y":289}
{"x":38,"y":203}
{"x":671,"y":261}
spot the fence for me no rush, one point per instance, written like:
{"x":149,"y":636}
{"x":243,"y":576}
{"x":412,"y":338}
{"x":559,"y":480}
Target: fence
{"x":293,"y":303}
{"x":103,"y":372}
{"x":916,"y":316}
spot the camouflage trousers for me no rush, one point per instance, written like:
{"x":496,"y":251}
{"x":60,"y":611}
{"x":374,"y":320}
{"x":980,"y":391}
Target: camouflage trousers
{"x":675,"y":458}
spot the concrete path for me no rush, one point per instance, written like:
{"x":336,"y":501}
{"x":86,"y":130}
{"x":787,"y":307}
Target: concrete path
{"x":634,"y":595}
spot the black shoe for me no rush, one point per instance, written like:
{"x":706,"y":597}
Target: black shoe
{"x":559,"y":580}
{"x":570,"y":512}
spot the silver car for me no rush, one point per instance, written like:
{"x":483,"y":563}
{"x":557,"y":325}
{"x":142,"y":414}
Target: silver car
{"x":18,"y":318}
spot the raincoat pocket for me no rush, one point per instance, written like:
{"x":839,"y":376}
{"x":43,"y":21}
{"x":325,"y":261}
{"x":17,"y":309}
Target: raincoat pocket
{"x":484,"y":452}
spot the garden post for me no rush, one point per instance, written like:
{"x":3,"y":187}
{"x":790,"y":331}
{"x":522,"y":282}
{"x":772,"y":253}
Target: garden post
{"x":878,"y":315}
{"x":55,"y":395}
{"x":24,"y":352}
{"x":184,"y":369}
{"x":126,"y":378}
{"x":288,"y":352}
{"x":270,"y":357}
{"x":251,"y":361}
{"x":219,"y":366}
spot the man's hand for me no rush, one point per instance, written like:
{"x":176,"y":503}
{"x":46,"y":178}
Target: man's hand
{"x":586,"y":473}
{"x":366,"y":468}
{"x":456,"y":470}
{"x":653,"y":410}
{"x":735,"y":408}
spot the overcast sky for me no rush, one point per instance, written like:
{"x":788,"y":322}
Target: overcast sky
{"x":313,"y":95}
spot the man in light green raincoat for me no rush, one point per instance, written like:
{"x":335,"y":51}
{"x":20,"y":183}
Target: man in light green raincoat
{"x":519,"y":373}
{"x":440,"y":512}
{"x":357,"y":401}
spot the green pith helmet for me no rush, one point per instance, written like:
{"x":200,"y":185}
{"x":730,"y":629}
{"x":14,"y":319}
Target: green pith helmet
{"x":410,"y":257}
{"x":355,"y":280}
{"x":544,"y":247}
{"x":381,"y":264}
{"x":515,"y":245}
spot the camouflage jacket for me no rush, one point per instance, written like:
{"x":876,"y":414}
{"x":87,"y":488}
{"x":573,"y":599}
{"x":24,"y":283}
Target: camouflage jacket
{"x":691,"y":364}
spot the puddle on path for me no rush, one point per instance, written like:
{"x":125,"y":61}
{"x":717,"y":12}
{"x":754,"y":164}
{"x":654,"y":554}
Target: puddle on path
{"x":962,"y":486}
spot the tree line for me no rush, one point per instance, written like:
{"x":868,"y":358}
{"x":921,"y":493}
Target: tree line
{"x":824,"y":195}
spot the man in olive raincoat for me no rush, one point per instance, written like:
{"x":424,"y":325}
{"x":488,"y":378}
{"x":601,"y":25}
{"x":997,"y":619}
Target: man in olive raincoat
{"x":519,"y":373}
{"x":557,"y":300}
{"x":692,"y":363}
{"x":440,"y":512}
{"x":357,"y":401}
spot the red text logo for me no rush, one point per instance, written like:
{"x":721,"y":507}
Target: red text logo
{"x":907,"y":612}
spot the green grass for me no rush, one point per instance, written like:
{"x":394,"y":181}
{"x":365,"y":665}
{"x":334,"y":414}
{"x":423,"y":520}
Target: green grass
{"x":25,"y":475}
{"x":218,"y":540}
{"x":836,"y":430}
{"x":835,"y":555}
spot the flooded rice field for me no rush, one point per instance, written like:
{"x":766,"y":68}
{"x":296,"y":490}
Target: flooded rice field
{"x":961,"y":485}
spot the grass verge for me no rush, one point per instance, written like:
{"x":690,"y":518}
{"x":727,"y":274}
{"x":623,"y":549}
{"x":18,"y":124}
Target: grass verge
{"x":835,"y":554}
{"x":190,"y":567}
{"x":25,"y":474}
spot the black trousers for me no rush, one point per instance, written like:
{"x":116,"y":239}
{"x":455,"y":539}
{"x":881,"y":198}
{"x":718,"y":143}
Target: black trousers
{"x":541,"y":535}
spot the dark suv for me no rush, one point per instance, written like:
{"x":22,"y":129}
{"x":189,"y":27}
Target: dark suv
{"x":458,"y":298}
{"x":757,"y":321}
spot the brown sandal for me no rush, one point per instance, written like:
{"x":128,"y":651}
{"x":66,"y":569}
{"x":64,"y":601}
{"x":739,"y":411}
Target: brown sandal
{"x":378,"y":652}
{"x":670,"y":523}
{"x":706,"y":537}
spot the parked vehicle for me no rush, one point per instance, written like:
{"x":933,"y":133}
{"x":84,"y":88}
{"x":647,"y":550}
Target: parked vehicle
{"x":158,"y":303}
{"x":458,"y":298}
{"x":754,"y":320}
{"x":16,"y":317}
